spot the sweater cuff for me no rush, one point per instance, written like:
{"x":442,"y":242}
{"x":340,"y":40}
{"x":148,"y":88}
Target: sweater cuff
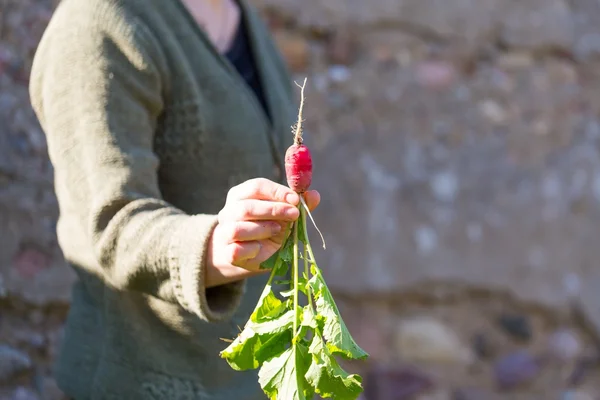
{"x":188,"y":260}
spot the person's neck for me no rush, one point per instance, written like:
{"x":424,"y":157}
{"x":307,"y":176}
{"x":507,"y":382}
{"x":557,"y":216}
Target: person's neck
{"x":218,"y":18}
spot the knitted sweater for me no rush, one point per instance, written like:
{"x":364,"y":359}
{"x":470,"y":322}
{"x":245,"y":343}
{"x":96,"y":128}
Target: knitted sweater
{"x":148,"y":127}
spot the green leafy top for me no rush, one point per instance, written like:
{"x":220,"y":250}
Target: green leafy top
{"x":295,"y":346}
{"x":339,"y":340}
{"x":282,"y":377}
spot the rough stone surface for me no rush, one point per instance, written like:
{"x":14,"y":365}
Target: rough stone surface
{"x":538,"y":25}
{"x":575,"y":395}
{"x":295,"y":49}
{"x":397,"y":383}
{"x":12,"y":363}
{"x":516,"y":325}
{"x":455,"y":145}
{"x":31,"y":265}
{"x":565,"y":345}
{"x":516,"y":369}
{"x":428,"y":340}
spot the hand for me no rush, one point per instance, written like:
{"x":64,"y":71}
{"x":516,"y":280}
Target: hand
{"x":252,"y":226}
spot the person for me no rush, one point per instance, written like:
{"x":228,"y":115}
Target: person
{"x":166,"y":123}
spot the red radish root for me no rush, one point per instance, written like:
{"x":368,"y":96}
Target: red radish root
{"x":298,"y":168}
{"x":298,"y":161}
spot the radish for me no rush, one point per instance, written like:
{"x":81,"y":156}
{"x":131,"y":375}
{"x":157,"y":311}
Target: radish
{"x":296,"y":346}
{"x":298,"y":161}
{"x":298,"y":167}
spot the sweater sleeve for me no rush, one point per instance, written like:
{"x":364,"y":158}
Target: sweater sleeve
{"x":96,"y":87}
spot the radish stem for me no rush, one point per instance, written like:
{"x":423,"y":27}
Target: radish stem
{"x":317,"y":271}
{"x":306,"y":269}
{"x":295,"y":272}
{"x":273,"y":271}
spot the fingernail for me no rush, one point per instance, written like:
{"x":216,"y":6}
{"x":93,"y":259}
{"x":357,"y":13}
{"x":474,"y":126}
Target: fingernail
{"x":275,"y":229}
{"x":292,"y":198}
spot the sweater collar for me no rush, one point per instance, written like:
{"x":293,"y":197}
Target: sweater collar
{"x":266,"y":60}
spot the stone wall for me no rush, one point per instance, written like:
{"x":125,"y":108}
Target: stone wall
{"x":456,"y":140}
{"x":456,"y":150}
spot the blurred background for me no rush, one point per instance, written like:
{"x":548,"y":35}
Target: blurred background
{"x":456,"y":151}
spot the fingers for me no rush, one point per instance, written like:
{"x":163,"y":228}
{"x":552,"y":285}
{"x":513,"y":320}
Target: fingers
{"x":240,"y":253}
{"x":249,"y":255}
{"x":263,"y":189}
{"x":283,"y":234}
{"x":255,"y":222}
{"x":312,"y":198}
{"x":245,"y":231}
{"x":246,"y":244}
{"x":258,"y":210}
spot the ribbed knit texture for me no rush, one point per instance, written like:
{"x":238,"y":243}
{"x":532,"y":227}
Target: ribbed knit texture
{"x":148,"y":128}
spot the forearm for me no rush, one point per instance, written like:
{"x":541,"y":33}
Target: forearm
{"x":149,"y":246}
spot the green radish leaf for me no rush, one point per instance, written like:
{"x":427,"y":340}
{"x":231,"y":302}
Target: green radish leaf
{"x":255,"y":344}
{"x":250,"y":350}
{"x":308,"y":318}
{"x":272,"y":326}
{"x":286,"y":252}
{"x":280,"y":258}
{"x":271,"y":262}
{"x":274,"y":346}
{"x":282,"y":377}
{"x":302,"y":284}
{"x":339,"y":340}
{"x":327,"y":377}
{"x":268,"y":306}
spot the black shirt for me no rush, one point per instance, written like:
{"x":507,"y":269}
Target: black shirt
{"x":241,"y":56}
